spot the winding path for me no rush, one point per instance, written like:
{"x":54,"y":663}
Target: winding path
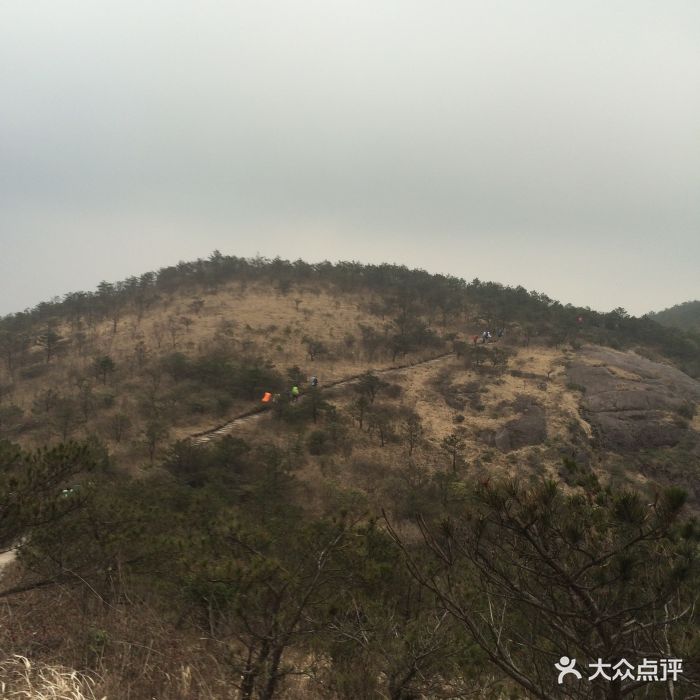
{"x":206,"y":436}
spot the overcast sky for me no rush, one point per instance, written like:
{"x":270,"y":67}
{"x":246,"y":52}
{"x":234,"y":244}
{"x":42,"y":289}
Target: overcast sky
{"x":549,"y":143}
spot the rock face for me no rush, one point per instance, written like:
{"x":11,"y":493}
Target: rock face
{"x":528,"y":429}
{"x":631,"y":402}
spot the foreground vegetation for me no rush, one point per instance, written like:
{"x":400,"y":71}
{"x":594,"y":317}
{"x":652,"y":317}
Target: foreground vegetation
{"x":215,"y":573}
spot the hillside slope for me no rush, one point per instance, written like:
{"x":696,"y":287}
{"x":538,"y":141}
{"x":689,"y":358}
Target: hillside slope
{"x":135,"y":371}
{"x":685,"y":316}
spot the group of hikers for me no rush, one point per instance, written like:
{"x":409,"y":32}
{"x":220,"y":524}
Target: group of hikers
{"x":487,"y":336}
{"x":294,"y":392}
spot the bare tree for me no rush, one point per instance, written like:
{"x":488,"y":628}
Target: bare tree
{"x":453,"y":445}
{"x":86,"y":399}
{"x":65,"y":417}
{"x":314,"y":347}
{"x":174,"y":330}
{"x":196,"y":306}
{"x":158,"y":333}
{"x":186,"y":322}
{"x":412,"y":428}
{"x":381,"y":419}
{"x":153,"y":435}
{"x":120,"y":425}
{"x":358,"y":409}
{"x":369,"y":385}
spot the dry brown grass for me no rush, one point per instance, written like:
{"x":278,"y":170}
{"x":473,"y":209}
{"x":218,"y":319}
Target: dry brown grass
{"x":255,"y":320}
{"x":695,"y":422}
{"x":369,"y":464}
{"x":22,"y":678}
{"x":132,"y":651}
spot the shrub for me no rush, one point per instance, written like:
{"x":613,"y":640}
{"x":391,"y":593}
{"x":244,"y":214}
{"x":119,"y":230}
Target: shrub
{"x":33,"y":371}
{"x":107,"y":399}
{"x":318,"y":443}
{"x":687,"y":410}
{"x":393,"y":391}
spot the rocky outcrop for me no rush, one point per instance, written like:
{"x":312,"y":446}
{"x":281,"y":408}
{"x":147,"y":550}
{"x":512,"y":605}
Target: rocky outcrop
{"x":530,"y":428}
{"x":631,"y":402}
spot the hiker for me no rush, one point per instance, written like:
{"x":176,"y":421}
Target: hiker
{"x":295,"y":393}
{"x":267,"y":397}
{"x":475,"y":339}
{"x":314,"y":381}
{"x":484,"y":336}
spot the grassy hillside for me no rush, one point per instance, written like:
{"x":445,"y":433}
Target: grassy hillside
{"x":190,"y":345}
{"x":341,"y":545}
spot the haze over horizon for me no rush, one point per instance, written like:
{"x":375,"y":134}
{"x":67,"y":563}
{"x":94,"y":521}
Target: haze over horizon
{"x":552,"y":145}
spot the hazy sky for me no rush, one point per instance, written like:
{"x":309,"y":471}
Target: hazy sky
{"x":553,"y":144}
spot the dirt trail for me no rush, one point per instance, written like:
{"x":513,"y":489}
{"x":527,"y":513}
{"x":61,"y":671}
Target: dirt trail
{"x":253,"y":414}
